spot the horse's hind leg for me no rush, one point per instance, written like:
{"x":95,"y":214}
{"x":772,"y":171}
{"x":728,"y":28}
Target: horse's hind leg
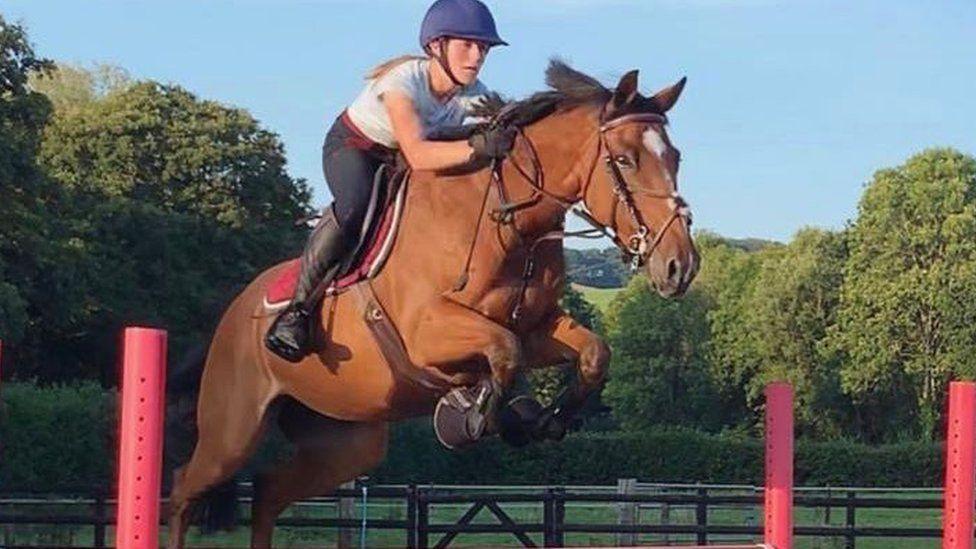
{"x":329,"y":452}
{"x":230,"y":422}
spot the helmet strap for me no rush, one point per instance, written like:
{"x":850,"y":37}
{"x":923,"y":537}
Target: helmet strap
{"x":442,"y":61}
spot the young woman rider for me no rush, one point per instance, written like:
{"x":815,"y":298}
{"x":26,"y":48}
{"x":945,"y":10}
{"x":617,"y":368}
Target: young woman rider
{"x":404,"y":100}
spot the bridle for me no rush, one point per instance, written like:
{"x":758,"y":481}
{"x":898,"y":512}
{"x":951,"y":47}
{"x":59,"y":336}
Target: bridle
{"x":637,"y":247}
{"x":637,"y":244}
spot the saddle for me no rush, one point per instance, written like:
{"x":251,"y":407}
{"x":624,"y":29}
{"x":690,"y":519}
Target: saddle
{"x":365,"y":262}
{"x":372,"y":248}
{"x":378,"y":230}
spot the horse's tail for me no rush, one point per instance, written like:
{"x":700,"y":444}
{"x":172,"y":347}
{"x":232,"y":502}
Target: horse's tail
{"x":217,"y":507}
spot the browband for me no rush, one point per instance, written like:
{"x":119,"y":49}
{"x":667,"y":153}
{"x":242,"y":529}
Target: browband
{"x":636,"y":117}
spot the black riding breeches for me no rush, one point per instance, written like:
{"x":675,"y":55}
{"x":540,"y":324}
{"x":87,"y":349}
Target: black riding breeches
{"x":349,"y":163}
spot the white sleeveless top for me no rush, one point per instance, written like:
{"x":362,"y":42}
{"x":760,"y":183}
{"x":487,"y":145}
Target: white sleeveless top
{"x":411,"y":78}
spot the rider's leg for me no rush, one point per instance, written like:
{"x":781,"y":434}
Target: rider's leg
{"x":349,"y":172}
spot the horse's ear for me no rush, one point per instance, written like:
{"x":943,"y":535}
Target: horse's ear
{"x":626,"y":90}
{"x":666,"y":98}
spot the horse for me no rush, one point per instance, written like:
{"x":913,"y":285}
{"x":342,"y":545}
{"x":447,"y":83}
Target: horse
{"x":472,"y":285}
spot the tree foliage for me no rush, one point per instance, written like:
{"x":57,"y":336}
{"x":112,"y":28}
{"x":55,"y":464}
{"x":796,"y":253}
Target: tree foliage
{"x":790,"y":310}
{"x":907,"y":318}
{"x":25,"y":195}
{"x":128,"y":203}
{"x":160,"y":145}
{"x":728,"y":280}
{"x":69,"y":87}
{"x":596,"y":268}
{"x":659,"y":370}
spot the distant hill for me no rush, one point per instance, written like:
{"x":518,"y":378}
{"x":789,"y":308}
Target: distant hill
{"x":596,"y":268}
{"x":749,"y":244}
{"x":604,"y":269}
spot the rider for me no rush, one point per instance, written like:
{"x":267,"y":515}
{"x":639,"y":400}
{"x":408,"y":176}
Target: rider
{"x":404,"y":100}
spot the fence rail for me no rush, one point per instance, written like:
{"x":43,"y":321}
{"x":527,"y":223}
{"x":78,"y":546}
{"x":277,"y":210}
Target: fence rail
{"x":422,"y":530}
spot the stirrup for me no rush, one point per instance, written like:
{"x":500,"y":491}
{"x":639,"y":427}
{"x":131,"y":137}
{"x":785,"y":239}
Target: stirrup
{"x":284,"y":350}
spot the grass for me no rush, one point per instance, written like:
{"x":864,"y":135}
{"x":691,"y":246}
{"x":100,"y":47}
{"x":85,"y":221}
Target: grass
{"x":599,"y":297}
{"x":593,"y":513}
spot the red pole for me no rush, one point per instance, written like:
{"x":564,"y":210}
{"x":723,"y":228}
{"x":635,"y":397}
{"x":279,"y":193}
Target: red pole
{"x":957,"y":514}
{"x":779,"y":466}
{"x":141,"y":438}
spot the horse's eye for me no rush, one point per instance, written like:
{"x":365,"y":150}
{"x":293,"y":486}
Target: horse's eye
{"x":623,"y":161}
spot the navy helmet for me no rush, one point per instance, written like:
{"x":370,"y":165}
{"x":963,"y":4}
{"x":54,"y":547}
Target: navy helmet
{"x":468,"y":19}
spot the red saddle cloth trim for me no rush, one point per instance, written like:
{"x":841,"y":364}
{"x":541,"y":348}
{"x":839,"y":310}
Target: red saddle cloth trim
{"x":282,"y":288}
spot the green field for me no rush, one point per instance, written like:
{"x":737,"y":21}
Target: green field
{"x":578,"y":513}
{"x":600,"y":297}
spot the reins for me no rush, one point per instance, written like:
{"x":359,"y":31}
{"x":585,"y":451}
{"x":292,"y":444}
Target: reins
{"x":638,"y":246}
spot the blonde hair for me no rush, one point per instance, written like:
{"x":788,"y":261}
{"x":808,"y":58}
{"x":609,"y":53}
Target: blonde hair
{"x":385,"y":67}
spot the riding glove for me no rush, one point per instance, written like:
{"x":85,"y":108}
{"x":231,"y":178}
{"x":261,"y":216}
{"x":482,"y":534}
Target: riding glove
{"x":493,"y":143}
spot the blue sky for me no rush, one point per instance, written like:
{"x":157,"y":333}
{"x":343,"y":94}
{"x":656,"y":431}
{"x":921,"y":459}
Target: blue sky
{"x":789,"y":109}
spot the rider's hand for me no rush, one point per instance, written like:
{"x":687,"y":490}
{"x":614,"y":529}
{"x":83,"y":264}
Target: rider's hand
{"x":493,"y":143}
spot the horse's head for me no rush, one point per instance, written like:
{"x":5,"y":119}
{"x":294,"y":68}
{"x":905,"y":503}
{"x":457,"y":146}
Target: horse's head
{"x":624,"y":170}
{"x":632,"y":187}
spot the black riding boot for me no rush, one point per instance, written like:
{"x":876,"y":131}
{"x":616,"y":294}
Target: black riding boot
{"x":290,"y":335}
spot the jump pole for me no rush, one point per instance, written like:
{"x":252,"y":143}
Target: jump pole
{"x":779,"y":466}
{"x":778,"y":499}
{"x":141,"y":437}
{"x":141,"y":448}
{"x":957,"y":514}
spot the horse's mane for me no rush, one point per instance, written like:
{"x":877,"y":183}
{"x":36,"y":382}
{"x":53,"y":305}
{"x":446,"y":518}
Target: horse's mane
{"x":569,"y":88}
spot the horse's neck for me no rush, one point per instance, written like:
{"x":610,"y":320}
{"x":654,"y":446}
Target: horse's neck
{"x":560,"y":142}
{"x":445,"y":227}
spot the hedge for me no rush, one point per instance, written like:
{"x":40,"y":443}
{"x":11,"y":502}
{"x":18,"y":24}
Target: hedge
{"x":63,"y":438}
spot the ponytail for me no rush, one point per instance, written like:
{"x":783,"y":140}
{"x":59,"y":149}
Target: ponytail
{"x":383,"y":68}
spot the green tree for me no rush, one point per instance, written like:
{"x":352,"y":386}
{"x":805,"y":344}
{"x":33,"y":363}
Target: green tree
{"x":793,"y":304}
{"x":69,"y":87}
{"x":659,"y":373}
{"x":907,"y":317}
{"x":169,"y":204}
{"x":161,"y":145}
{"x":582,"y":310}
{"x":25,"y":247}
{"x":729,"y":279}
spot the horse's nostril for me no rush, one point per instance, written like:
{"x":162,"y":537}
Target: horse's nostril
{"x":673,"y":267}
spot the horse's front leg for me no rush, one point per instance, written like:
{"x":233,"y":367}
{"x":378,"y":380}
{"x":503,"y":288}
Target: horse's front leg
{"x":450,"y":334}
{"x":561,"y":341}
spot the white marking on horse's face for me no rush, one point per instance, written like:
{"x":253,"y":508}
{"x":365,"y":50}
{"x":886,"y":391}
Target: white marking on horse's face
{"x":654,"y":143}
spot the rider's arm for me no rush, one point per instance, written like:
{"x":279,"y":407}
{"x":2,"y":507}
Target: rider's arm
{"x":408,"y":131}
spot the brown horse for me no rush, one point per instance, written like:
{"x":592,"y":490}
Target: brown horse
{"x":579,"y":143}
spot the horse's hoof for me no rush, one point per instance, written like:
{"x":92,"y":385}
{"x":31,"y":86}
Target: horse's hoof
{"x":550,"y":426}
{"x":517,"y":418}
{"x":458,"y":419}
